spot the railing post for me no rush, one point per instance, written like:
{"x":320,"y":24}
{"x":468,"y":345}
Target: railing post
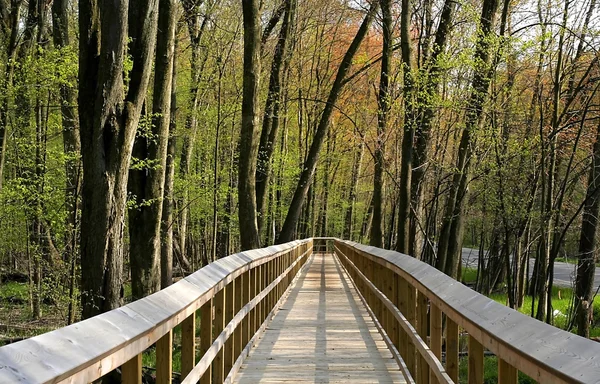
{"x":507,"y":374}
{"x":229,"y":357}
{"x":435,"y":332}
{"x":164,"y":359}
{"x":219,"y":325}
{"x":206,"y":335}
{"x":411,"y":316}
{"x":131,"y":371}
{"x":237,"y":299}
{"x":246,"y":297}
{"x":452,"y":345}
{"x":475,"y":361}
{"x":398,"y":331}
{"x":188,"y":344}
{"x":422,"y":330}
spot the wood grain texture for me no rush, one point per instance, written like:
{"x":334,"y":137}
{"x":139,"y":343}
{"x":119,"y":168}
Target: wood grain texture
{"x":131,"y":371}
{"x":475,"y":361}
{"x":164,"y":359}
{"x":321,"y":333}
{"x":188,"y":344}
{"x":545,"y":353}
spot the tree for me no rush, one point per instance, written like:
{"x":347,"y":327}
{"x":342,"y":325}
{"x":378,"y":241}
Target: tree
{"x":306,"y":177}
{"x":248,"y":137}
{"x":109,"y":114}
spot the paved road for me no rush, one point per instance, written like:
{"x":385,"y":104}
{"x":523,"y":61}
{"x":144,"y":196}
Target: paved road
{"x":564,"y":273}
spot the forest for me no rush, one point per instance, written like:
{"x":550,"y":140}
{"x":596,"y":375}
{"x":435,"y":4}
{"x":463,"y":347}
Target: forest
{"x":142,"y":140}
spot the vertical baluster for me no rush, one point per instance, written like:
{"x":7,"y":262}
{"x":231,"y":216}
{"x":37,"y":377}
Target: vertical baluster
{"x":435,"y":324}
{"x":247,"y":323}
{"x":475,"y":361}
{"x":253,"y":284}
{"x":219,"y":325}
{"x":131,"y":371}
{"x":229,"y":357}
{"x":507,"y":374}
{"x":188,"y":344}
{"x":452,"y":345}
{"x":411,"y":316}
{"x":237,"y":299}
{"x":206,"y":335}
{"x":394,"y":298}
{"x":422,"y":330}
{"x":403,"y":307}
{"x":164,"y":359}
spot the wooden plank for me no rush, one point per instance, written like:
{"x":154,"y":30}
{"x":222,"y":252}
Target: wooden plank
{"x":229,"y":353}
{"x":218,"y":365}
{"x":411,"y":316}
{"x":164,"y":359}
{"x":507,"y":374}
{"x":435,"y":335}
{"x":452,"y":345}
{"x":475,"y":361}
{"x":319,"y":334}
{"x":237,"y":305}
{"x":422,"y":305}
{"x":188,"y":344}
{"x":206,"y":336}
{"x":131,"y":371}
{"x":246,"y":295}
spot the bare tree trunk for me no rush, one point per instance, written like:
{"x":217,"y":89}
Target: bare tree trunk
{"x":450,"y":243}
{"x":167,"y":220}
{"x":271,"y":119}
{"x":383,"y":108}
{"x":247,"y":214}
{"x":586,"y":264}
{"x":349,"y":218}
{"x":310,"y":165}
{"x":108,"y":119}
{"x":146,"y":185}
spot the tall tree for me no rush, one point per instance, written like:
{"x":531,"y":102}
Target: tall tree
{"x":109,"y":114}
{"x":146,"y":181}
{"x":450,"y":242}
{"x":310,"y":165}
{"x":249,"y":134}
{"x":383,"y":108}
{"x":271,"y":119}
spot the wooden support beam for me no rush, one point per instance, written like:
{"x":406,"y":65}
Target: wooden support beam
{"x":131,"y":371}
{"x":218,"y":325}
{"x":164,"y":359}
{"x":246,"y":296}
{"x":475,"y":361}
{"x":411,"y":316}
{"x":452,"y":349}
{"x":206,"y":335}
{"x":188,"y":344}
{"x":237,"y":305}
{"x":228,"y":356}
{"x":422,"y":304}
{"x":435,"y":335}
{"x":507,"y":374}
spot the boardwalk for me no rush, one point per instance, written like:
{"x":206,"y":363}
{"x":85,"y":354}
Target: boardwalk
{"x":321,"y":334}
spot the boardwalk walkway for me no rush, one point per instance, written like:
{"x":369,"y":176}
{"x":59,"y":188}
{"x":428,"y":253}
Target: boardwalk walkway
{"x":321,"y":334}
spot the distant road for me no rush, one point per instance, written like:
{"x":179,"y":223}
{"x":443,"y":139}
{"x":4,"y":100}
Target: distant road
{"x":564,"y":273}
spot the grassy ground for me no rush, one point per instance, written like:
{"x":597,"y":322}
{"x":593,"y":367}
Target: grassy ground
{"x":561,"y":302}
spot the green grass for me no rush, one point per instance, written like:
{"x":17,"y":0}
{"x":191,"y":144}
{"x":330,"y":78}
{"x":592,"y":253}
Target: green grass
{"x":490,"y":371}
{"x":12,"y":291}
{"x":469,"y":275}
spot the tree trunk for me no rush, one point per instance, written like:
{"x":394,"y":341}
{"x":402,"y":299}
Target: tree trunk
{"x":167,"y":220}
{"x":450,"y":242}
{"x":586,"y":264}
{"x":271,"y":119}
{"x":108,"y":120}
{"x":249,"y":236}
{"x":383,"y":108}
{"x":349,"y":218}
{"x":310,"y":165}
{"x":146,"y":185}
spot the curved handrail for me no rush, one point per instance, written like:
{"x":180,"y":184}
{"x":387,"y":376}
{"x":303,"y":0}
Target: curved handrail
{"x":87,"y":350}
{"x":543,"y":352}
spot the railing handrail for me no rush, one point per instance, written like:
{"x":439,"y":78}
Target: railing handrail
{"x":541,"y":351}
{"x":89,"y":349}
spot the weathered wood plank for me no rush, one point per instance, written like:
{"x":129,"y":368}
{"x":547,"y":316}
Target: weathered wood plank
{"x":164,"y":359}
{"x":131,"y":371}
{"x":188,"y":344}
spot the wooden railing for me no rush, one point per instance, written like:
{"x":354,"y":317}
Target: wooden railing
{"x":236,"y":294}
{"x":412,"y":300}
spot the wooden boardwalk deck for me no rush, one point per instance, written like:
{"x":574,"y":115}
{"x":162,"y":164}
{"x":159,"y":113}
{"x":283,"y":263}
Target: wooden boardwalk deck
{"x":321,"y":334}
